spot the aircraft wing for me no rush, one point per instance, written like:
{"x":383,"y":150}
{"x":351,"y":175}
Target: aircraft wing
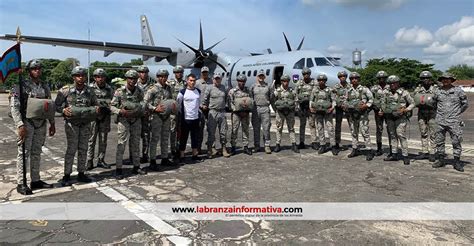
{"x":107,"y":47}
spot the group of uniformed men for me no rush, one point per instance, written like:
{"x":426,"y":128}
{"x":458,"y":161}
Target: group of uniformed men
{"x":146,"y":109}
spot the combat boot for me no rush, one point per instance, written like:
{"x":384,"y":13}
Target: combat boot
{"x":81,"y":177}
{"x":391,"y":157}
{"x":322,"y":149}
{"x":379,"y":149}
{"x":389,"y":151}
{"x":209,"y":154}
{"x":23,"y":189}
{"x":370,"y":155}
{"x":423,"y":156}
{"x":40,"y":185}
{"x":214,"y":151}
{"x":268,"y":150}
{"x":353,"y":153}
{"x":277,"y":148}
{"x":166,"y":162}
{"x":101,"y":163}
{"x":439,"y":163}
{"x":66,"y":181}
{"x":406,"y":160}
{"x":119,"y":173}
{"x":315,"y":145}
{"x":225,"y":153}
{"x":144,"y":159}
{"x":256,"y":149}
{"x":335,"y":150}
{"x":153,"y":166}
{"x":432,"y":158}
{"x":90,"y":165}
{"x":295,"y":148}
{"x":457,"y":164}
{"x":233,"y":150}
{"x":138,"y":170}
{"x":302,"y":146}
{"x":247,"y":150}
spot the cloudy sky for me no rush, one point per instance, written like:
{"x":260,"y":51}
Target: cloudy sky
{"x":432,"y":31}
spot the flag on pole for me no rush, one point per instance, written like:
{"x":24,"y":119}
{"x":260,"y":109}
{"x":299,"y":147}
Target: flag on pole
{"x":10,"y":62}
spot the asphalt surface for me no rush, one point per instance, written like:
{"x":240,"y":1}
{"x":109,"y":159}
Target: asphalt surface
{"x":279,"y":177}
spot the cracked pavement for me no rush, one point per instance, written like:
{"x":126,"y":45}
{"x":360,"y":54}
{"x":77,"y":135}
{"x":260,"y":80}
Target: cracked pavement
{"x":281,"y":177}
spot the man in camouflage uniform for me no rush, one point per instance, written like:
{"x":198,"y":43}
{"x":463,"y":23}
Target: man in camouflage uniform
{"x":358,"y":101}
{"x":322,"y":104}
{"x":340,"y":91}
{"x":397,"y":106}
{"x":73,"y":102}
{"x":145,"y":82}
{"x":31,"y":132}
{"x":202,"y":83}
{"x":303,"y":90}
{"x":128,"y":105}
{"x":160,"y":123}
{"x":378,"y":90}
{"x":423,"y":97}
{"x":101,"y":126}
{"x":451,"y":103}
{"x":214,"y":100}
{"x":177,"y":84}
{"x":241,"y":105}
{"x":261,"y":96}
{"x":285,"y":105}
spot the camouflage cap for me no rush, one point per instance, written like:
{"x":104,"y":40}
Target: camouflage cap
{"x":354,"y":75}
{"x":322,"y":76}
{"x":132,"y":74}
{"x":178,"y":69}
{"x":204,"y":69}
{"x":393,"y":79}
{"x":99,"y":72}
{"x":242,"y":77}
{"x":342,"y":73}
{"x":34,"y":64}
{"x":162,"y":72}
{"x":143,"y":69}
{"x":381,"y":74}
{"x":447,"y":76}
{"x":426,"y":74}
{"x":261,"y":72}
{"x":306,"y":70}
{"x":285,"y":77}
{"x":78,"y":70}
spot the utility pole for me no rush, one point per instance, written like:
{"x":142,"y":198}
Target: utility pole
{"x":88,"y":55}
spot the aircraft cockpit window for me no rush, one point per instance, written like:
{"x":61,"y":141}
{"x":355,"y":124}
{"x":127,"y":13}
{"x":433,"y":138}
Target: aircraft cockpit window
{"x":249,"y":73}
{"x":322,"y":61}
{"x":334,"y":61}
{"x":254,"y":73}
{"x":267,"y":72}
{"x":309,"y":62}
{"x":299,"y":64}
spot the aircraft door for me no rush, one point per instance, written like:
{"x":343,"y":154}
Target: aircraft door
{"x":277,"y":73}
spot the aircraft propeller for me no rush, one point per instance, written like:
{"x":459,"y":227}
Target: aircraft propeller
{"x":288,"y":46}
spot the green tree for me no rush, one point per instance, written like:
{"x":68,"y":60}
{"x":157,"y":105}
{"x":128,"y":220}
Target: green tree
{"x":61,"y":74}
{"x":462,"y":71}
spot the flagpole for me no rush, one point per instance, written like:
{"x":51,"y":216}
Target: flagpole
{"x":22,"y":106}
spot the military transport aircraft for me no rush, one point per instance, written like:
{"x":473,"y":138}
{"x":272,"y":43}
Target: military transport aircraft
{"x":274,"y":64}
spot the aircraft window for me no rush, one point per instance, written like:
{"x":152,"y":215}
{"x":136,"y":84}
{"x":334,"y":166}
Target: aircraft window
{"x":321,"y":61}
{"x":254,"y":73}
{"x":249,"y":73}
{"x":268,"y":72}
{"x":299,"y":64}
{"x":222,"y":74}
{"x":309,"y":62}
{"x":227,"y":74}
{"x":238,"y":73}
{"x":243,"y":72}
{"x":334,"y":61}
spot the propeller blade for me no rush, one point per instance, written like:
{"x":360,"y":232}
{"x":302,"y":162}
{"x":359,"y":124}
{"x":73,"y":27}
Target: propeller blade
{"x":210,"y":48}
{"x":216,"y":62}
{"x":287,"y":43}
{"x":301,"y":44}
{"x":201,"y":42}
{"x":189,"y":46}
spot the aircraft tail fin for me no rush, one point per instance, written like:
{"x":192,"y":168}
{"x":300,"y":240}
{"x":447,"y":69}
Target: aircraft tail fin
{"x":147,"y":38}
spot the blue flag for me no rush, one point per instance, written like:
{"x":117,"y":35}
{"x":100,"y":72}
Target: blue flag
{"x":10,"y":62}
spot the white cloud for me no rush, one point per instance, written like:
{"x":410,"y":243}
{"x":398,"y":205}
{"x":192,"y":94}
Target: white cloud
{"x":463,"y":56}
{"x":415,"y":36}
{"x":370,"y":4}
{"x":464,"y":37}
{"x":436,"y":48}
{"x":334,"y":49}
{"x":445,"y":32}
